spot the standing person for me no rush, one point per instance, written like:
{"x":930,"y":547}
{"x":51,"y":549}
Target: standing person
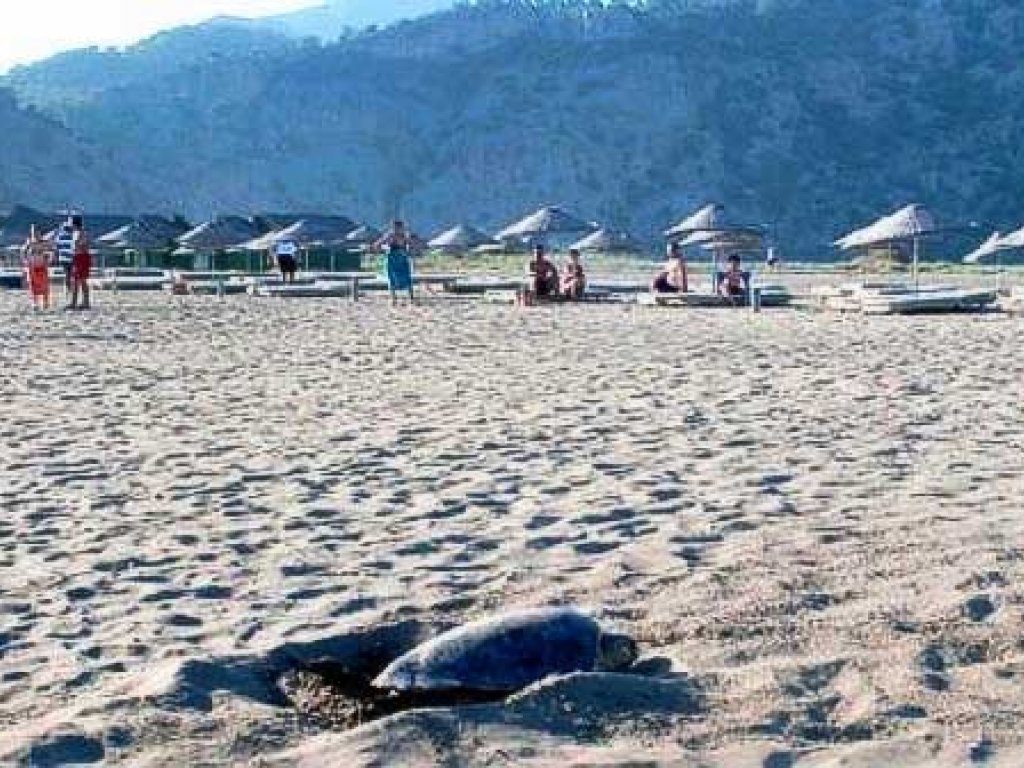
{"x":65,"y":244}
{"x":37,"y":255}
{"x":285,"y":251}
{"x":81,"y":264}
{"x":397,"y":247}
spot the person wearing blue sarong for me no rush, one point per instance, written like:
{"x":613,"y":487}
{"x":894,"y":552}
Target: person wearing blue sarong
{"x":397,"y":247}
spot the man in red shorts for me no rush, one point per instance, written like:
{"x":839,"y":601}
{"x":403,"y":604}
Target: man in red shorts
{"x":81,"y":264}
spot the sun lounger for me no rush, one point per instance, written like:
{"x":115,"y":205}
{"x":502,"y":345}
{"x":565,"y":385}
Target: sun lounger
{"x":901,"y":298}
{"x":131,"y":280}
{"x":315,"y":290}
{"x":12,"y":279}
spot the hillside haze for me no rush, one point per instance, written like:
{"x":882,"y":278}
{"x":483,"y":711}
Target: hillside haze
{"x":338,"y":17}
{"x":806,"y":116}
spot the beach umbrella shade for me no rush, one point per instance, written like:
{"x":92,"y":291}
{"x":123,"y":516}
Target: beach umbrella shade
{"x":550,"y":220}
{"x":318,"y":230}
{"x":363,"y":234}
{"x":706,"y":219}
{"x":219,"y":234}
{"x":607,"y":241}
{"x":911,"y":222}
{"x":908,"y":223}
{"x":18,"y":224}
{"x":1013,"y":240}
{"x":991,"y":247}
{"x":461,"y":238}
{"x":144,"y":234}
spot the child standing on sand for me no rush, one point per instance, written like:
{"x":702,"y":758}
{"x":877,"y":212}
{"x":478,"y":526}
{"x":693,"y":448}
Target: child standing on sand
{"x":36,"y":256}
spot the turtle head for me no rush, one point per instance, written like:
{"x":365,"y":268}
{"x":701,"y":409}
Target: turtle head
{"x":616,"y":652}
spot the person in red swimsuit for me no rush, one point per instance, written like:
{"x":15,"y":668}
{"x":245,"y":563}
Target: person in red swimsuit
{"x":37,"y":255}
{"x":81,"y":264}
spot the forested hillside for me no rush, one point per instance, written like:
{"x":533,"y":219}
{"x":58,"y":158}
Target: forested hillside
{"x":807,"y":116}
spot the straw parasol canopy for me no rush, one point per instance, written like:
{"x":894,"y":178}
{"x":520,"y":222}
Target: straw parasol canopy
{"x":219,"y":234}
{"x":19,"y":222}
{"x":991,"y":247}
{"x":550,"y":220}
{"x":738,"y":239}
{"x":1013,"y":240}
{"x":608,"y":241}
{"x":103,"y":223}
{"x":461,"y":238}
{"x":363,"y":234}
{"x":908,"y":223}
{"x":307,"y":232}
{"x":707,"y":219}
{"x":146,"y":233}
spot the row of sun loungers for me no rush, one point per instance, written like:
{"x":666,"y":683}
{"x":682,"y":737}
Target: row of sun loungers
{"x":900,"y":298}
{"x":871,"y":298}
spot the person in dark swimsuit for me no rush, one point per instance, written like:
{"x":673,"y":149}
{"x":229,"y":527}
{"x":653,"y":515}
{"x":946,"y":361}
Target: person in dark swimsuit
{"x":673,"y":277}
{"x":733,"y":285}
{"x":543,"y":275}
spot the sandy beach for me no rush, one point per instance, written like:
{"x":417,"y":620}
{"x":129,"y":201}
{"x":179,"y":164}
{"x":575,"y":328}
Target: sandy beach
{"x":811,"y":523}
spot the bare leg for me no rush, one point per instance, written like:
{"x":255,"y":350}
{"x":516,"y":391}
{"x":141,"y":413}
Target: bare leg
{"x":85,"y":294}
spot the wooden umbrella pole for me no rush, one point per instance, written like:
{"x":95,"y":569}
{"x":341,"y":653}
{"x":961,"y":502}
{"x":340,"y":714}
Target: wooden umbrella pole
{"x":917,"y":280}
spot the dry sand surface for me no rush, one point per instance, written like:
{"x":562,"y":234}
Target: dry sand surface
{"x":811,"y":523}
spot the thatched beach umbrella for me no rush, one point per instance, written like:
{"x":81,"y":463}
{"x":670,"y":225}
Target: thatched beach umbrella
{"x":461,"y":239}
{"x":103,"y":223}
{"x":991,"y":247}
{"x":219,"y":234}
{"x":608,"y":241}
{"x":146,"y":233}
{"x":728,"y":240}
{"x":1013,"y":240}
{"x":364,"y":234}
{"x":548,"y":221}
{"x":19,"y":222}
{"x":707,"y":219}
{"x":908,"y":224}
{"x":308,"y":232}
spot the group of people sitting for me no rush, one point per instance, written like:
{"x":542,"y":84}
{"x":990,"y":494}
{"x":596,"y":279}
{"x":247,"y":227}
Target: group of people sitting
{"x":545,"y":282}
{"x":732,"y":284}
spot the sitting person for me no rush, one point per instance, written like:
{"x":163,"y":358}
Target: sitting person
{"x":673,"y":277}
{"x":543,"y":275}
{"x":733,"y":282}
{"x":574,"y":281}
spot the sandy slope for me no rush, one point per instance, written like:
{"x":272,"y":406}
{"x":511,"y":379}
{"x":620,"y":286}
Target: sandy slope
{"x":817,"y":518}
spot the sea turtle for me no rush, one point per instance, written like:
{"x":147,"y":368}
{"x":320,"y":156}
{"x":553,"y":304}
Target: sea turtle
{"x":508,"y":652}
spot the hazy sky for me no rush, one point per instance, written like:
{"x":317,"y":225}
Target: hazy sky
{"x":35,"y":29}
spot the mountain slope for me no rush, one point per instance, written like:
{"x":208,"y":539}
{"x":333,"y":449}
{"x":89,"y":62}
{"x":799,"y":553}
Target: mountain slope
{"x":42,"y":163}
{"x":807,"y":116}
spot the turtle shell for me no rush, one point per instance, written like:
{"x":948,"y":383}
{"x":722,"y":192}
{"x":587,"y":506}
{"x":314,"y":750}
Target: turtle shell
{"x":501,"y":653}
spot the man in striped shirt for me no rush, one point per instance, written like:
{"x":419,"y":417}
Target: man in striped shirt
{"x":64,"y":244}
